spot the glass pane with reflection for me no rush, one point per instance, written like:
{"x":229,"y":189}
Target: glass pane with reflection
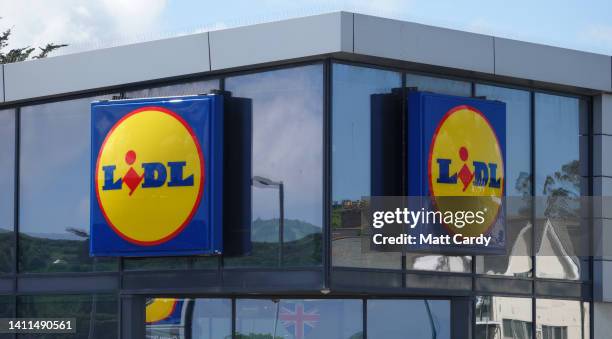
{"x":561,"y":319}
{"x":299,"y":318}
{"x":418,"y":319}
{"x":439,"y":85}
{"x":287,"y":151}
{"x":435,"y":262}
{"x":7,"y":189}
{"x":557,"y":182}
{"x":188,"y":318}
{"x":54,"y":189}
{"x":503,"y":318}
{"x":353,"y":88}
{"x":95,"y":314}
{"x":518,"y":185}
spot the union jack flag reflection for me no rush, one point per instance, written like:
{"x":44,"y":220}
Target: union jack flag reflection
{"x":298,"y":319}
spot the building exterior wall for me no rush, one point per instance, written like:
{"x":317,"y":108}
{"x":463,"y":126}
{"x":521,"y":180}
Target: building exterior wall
{"x":310,"y":79}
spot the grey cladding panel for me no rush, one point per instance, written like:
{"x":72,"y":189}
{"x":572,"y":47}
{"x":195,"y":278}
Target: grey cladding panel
{"x":295,"y":38}
{"x":552,"y":64}
{"x":423,"y":44}
{"x":107,"y":67}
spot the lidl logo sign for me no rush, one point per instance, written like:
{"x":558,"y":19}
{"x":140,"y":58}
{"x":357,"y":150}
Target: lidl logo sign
{"x":458,"y":150}
{"x":156,"y":176}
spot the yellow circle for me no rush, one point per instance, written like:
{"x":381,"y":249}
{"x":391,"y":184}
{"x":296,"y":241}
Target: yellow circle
{"x":466,"y":127}
{"x":149,"y":215}
{"x":159,"y":309}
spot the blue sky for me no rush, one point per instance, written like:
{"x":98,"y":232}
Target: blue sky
{"x":583,"y":25}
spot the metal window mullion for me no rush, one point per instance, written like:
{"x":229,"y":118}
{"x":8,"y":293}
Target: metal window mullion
{"x":327,"y":170}
{"x":533,"y":216}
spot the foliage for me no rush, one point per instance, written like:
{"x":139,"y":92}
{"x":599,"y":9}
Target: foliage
{"x":23,"y":53}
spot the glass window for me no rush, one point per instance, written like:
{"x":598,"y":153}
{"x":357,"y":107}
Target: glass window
{"x":188,"y":318}
{"x":562,"y":319}
{"x":308,"y":318}
{"x":287,"y":149}
{"x":503,"y":318}
{"x":418,"y":319}
{"x":557,"y":181}
{"x":7,"y":189}
{"x":187,"y":88}
{"x":54,"y":189}
{"x":353,"y":90}
{"x":518,"y":184}
{"x":212,"y":319}
{"x":7,"y":306}
{"x":177,"y":263}
{"x":96,"y":315}
{"x":439,"y":85}
{"x":417,"y":261}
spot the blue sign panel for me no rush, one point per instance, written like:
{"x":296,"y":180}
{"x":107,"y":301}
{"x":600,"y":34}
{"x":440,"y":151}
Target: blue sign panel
{"x":456,"y":158}
{"x":157,"y":176}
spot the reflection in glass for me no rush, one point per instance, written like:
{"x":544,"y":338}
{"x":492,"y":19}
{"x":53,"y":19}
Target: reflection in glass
{"x":561,"y":319}
{"x":557,"y":177}
{"x":288,"y":148}
{"x":503,"y":318}
{"x":297,"y":319}
{"x":96,"y":315}
{"x":7,"y":307}
{"x":188,"y":318}
{"x":428,"y":262}
{"x":7,"y":189}
{"x":518,"y":184}
{"x":439,"y":85}
{"x":352,"y":91}
{"x":418,"y":319}
{"x":54,"y":189}
{"x":187,"y":88}
{"x":175,"y":263}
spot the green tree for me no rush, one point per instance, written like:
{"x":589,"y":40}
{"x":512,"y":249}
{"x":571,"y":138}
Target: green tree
{"x":23,"y":53}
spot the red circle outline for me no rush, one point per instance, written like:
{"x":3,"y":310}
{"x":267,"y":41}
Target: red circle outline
{"x":200,"y":189}
{"x":433,"y":139}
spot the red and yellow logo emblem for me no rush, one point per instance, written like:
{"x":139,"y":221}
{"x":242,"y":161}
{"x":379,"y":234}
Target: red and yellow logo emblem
{"x":466,"y":160}
{"x":159,"y":309}
{"x":149,"y":176}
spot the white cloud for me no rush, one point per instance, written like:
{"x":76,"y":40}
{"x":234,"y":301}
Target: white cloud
{"x":83,"y":24}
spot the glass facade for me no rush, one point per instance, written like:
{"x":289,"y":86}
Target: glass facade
{"x":7,"y":190}
{"x":54,"y":197}
{"x":419,"y":319}
{"x":353,"y":88}
{"x":287,"y":146}
{"x":311,"y":134}
{"x":95,"y":315}
{"x":518,"y":184}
